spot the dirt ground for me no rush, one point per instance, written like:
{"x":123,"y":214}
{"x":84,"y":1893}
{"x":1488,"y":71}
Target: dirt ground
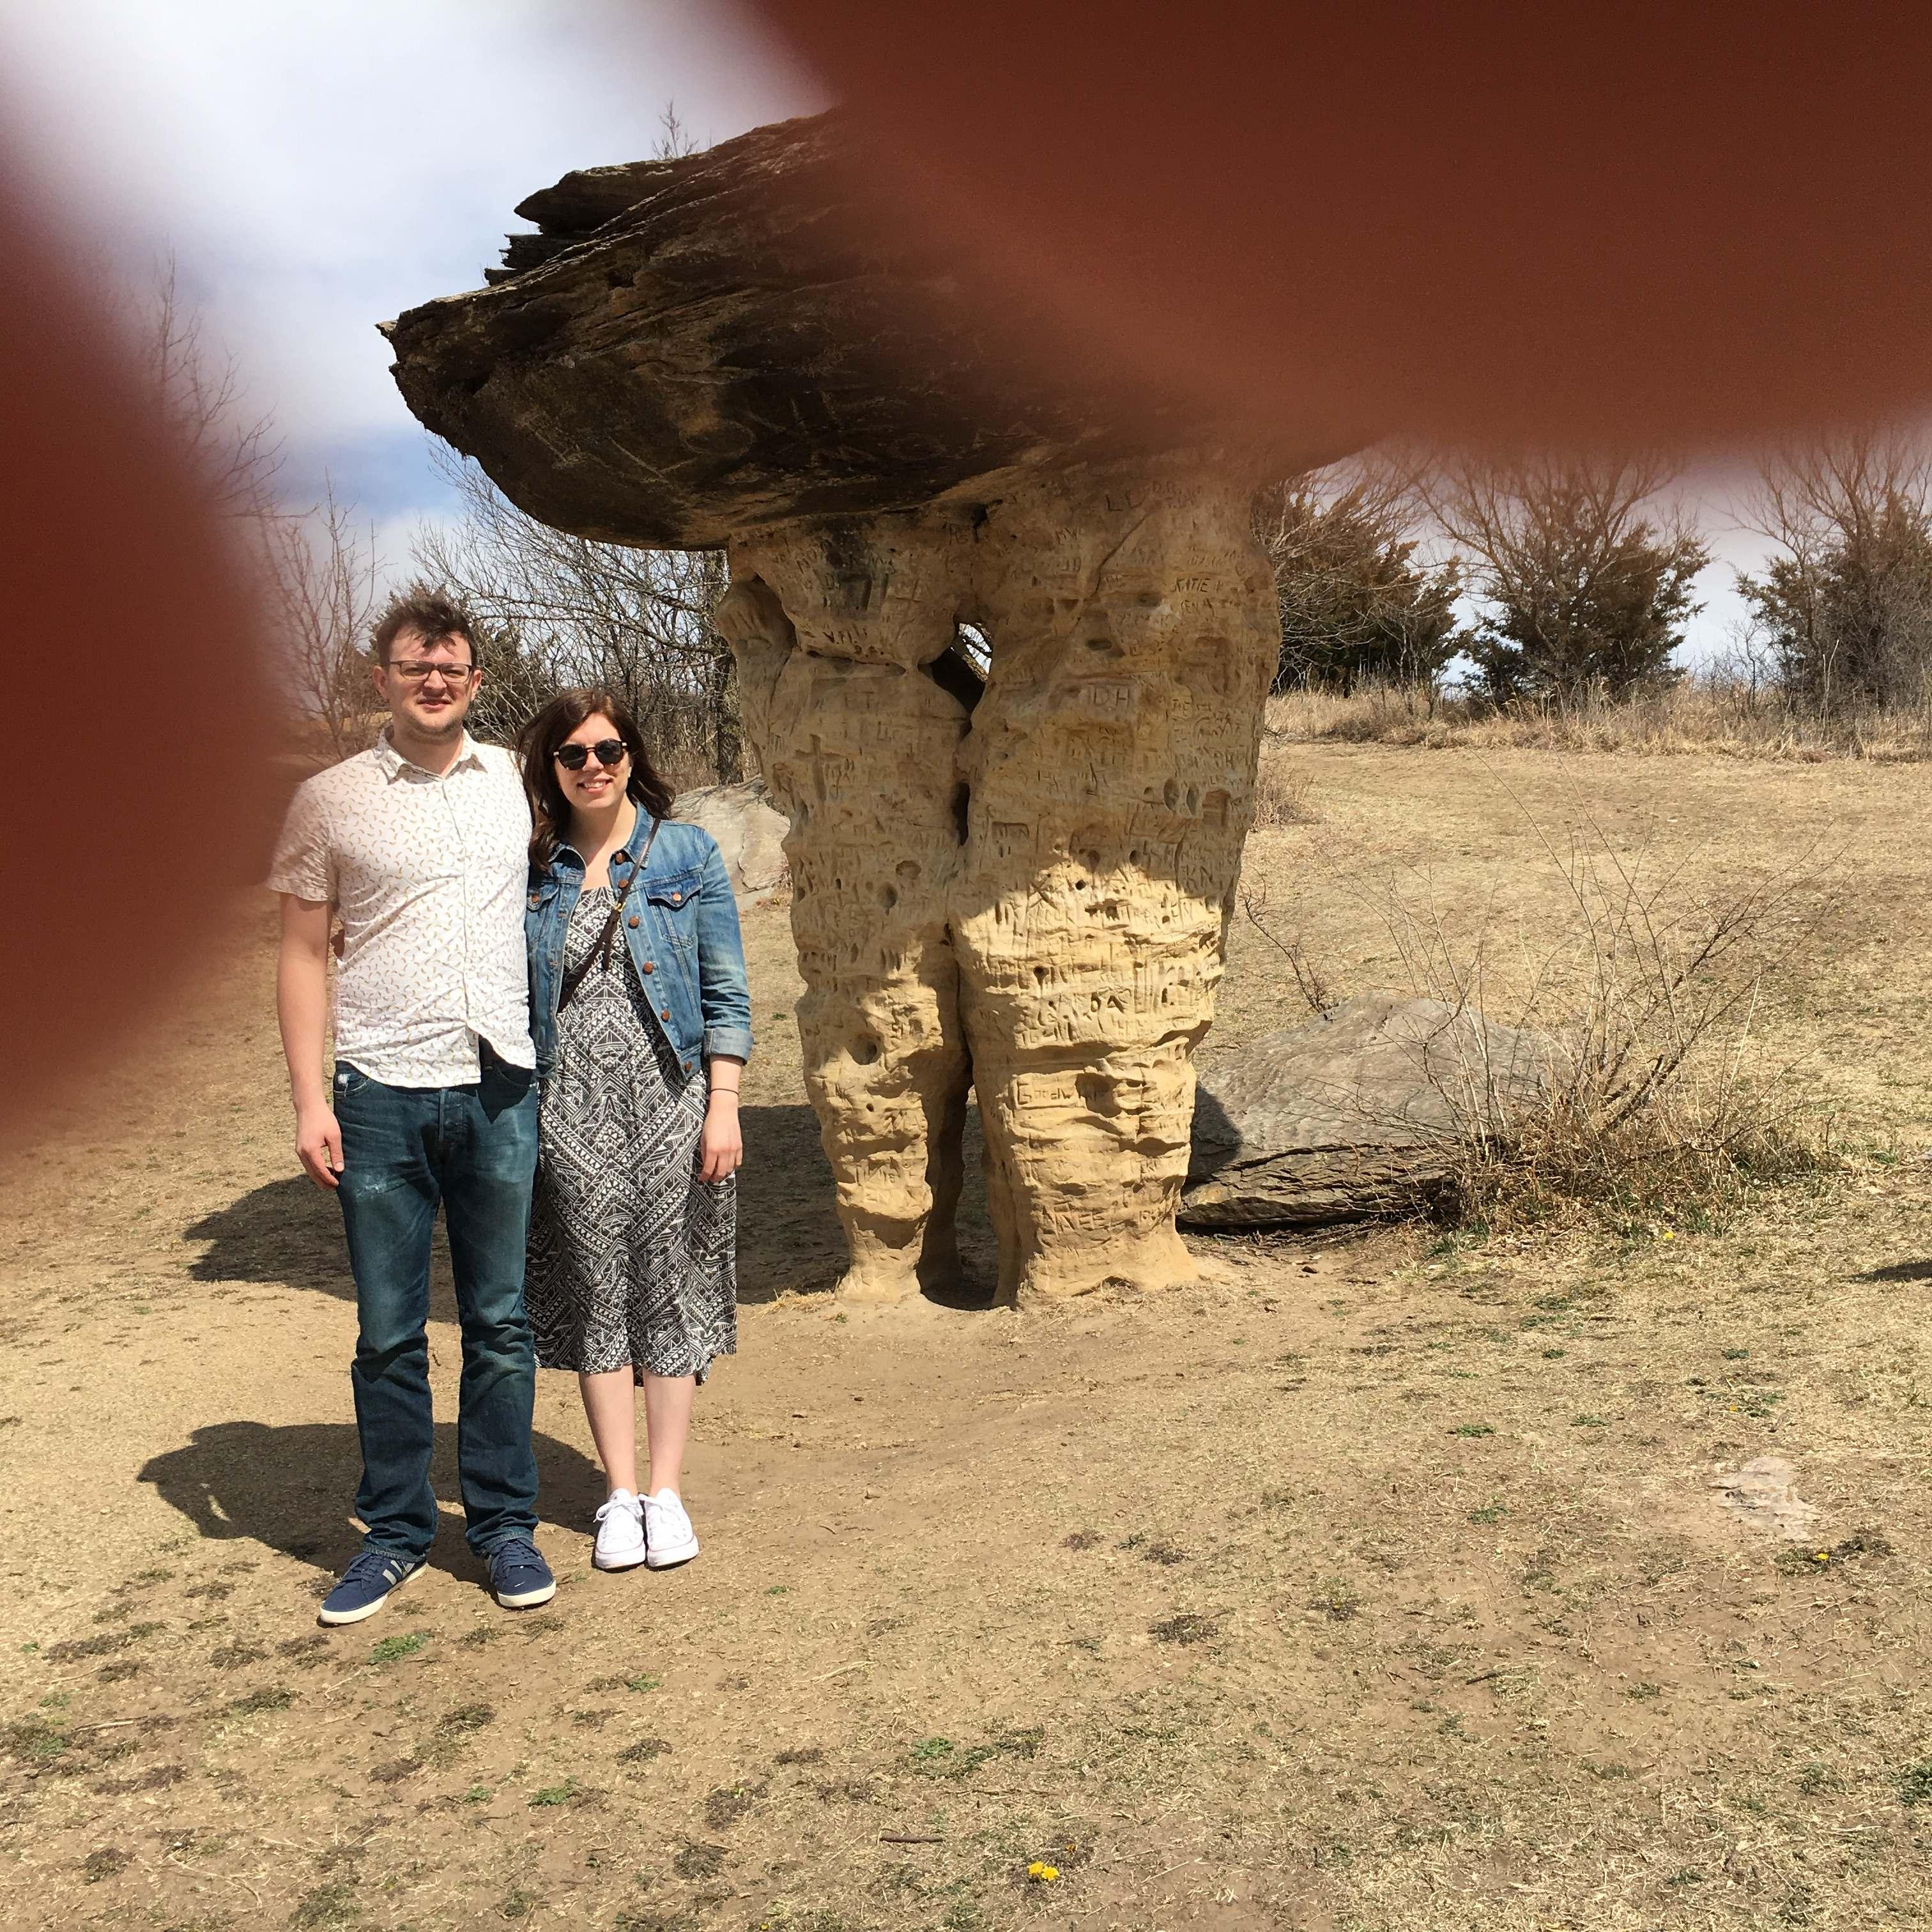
{"x":1378,"y":1582}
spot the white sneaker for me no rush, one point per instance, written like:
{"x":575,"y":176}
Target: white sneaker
{"x":667,"y":1531}
{"x":620,"y":1533}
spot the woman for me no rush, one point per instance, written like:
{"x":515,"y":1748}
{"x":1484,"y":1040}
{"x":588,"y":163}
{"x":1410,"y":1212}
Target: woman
{"x":642,"y":1023}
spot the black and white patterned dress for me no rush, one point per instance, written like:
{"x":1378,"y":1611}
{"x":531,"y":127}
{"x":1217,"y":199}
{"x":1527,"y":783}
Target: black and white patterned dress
{"x":632,"y":1259}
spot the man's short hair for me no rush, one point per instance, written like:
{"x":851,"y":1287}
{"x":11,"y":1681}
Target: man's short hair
{"x":434,"y":614}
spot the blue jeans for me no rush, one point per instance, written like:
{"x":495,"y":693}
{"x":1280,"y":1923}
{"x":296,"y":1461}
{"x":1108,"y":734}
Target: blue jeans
{"x":475,"y":1150}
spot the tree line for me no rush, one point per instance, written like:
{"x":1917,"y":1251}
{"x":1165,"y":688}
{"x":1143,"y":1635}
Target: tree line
{"x":1554,"y":578}
{"x":1557,"y":577}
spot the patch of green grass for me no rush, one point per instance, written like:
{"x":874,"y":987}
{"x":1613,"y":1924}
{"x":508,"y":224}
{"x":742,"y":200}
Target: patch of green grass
{"x":465,"y":1719}
{"x":1644,"y":1690}
{"x":1492,"y":1511}
{"x":1473,"y":1429}
{"x":516,"y":1904}
{"x":779,"y":1590}
{"x":1915,"y":1784}
{"x":274,"y":1698}
{"x":643,"y":1681}
{"x":326,"y":1906}
{"x":1588,"y":1422}
{"x":483,"y":1634}
{"x":394,"y":1649}
{"x":477,"y":1794}
{"x":554,"y":1794}
{"x":34,"y":1741}
{"x":940,"y":1757}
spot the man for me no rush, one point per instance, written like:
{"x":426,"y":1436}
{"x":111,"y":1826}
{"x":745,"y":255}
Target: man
{"x":421,"y":847}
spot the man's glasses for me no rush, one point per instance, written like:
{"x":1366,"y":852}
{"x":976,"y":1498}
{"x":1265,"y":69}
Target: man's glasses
{"x":413,"y":671}
{"x":572,"y":758}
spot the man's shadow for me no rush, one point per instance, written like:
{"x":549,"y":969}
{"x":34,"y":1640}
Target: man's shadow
{"x":289,"y":1487}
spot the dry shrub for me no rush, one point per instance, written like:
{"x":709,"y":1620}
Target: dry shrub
{"x":1281,"y":792}
{"x":1722,"y":713}
{"x":1644,"y":993}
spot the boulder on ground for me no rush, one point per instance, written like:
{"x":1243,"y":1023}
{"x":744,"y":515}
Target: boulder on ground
{"x":1362,"y":1113}
{"x":749,"y":833}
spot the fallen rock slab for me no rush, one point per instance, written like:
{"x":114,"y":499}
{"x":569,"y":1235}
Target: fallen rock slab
{"x":1362,"y":1113}
{"x":750,"y":834}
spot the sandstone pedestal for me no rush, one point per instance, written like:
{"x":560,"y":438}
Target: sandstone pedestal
{"x":1017,"y":884}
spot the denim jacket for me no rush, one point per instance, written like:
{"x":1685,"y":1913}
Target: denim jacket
{"x":681,"y":923}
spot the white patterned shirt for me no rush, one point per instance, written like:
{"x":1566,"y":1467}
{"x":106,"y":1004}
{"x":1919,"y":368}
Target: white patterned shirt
{"x":429,"y":875}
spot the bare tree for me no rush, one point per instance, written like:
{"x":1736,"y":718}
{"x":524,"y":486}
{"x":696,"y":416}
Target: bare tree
{"x":1845,"y":608}
{"x":1584,"y":582}
{"x":636,"y":622}
{"x":324,"y":578}
{"x":234,"y":453}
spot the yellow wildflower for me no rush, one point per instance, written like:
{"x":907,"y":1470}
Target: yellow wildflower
{"x":1041,"y":1874}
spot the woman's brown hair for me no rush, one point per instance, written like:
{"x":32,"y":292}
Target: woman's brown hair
{"x":537,"y":746}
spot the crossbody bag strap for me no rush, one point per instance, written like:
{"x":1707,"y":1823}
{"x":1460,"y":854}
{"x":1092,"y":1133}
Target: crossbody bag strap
{"x":600,"y":954}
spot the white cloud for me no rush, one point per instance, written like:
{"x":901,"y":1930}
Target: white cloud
{"x":318,"y":165}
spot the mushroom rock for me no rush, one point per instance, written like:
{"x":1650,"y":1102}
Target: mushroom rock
{"x":1003,"y":633}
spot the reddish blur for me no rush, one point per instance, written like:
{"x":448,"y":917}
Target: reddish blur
{"x":1649,"y":221}
{"x":134,"y":746}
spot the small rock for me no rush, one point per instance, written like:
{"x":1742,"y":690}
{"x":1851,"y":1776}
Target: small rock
{"x":1761,"y":1492}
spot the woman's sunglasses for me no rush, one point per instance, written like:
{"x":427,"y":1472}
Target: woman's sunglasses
{"x":573,"y":757}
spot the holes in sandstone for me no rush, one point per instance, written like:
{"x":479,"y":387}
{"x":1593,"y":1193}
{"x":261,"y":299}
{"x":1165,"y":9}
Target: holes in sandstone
{"x":961,"y":669}
{"x":1170,"y":794}
{"x":866,"y":1051}
{"x":888,"y":897}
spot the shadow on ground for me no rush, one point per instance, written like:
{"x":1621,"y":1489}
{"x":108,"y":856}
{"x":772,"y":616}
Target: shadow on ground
{"x":290,"y":1486}
{"x":289,"y":1232}
{"x":1898,"y":1271}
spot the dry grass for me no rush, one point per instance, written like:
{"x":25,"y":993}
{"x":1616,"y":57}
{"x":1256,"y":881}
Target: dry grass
{"x":1281,"y":793}
{"x":1712,"y":716}
{"x":1643,"y":996}
{"x":1604,"y":1057}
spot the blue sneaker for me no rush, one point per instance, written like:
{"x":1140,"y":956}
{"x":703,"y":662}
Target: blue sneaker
{"x":364,"y":1587}
{"x":519,"y":1576}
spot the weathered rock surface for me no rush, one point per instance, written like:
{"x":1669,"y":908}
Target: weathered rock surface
{"x":1016,"y":883}
{"x":1027,"y":890}
{"x":750,"y":835}
{"x":1360,"y":1114}
{"x":694,"y":347}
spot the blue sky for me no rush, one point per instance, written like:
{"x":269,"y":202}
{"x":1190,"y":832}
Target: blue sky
{"x":315,"y":165}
